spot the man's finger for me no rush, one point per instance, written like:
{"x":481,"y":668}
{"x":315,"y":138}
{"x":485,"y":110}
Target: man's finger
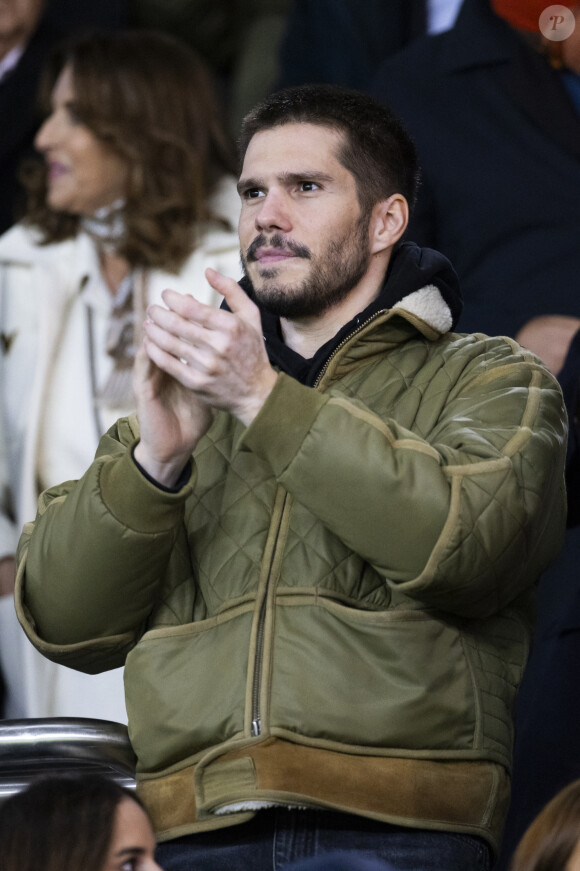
{"x":238,"y":301}
{"x":222,"y":283}
{"x":190,"y":309}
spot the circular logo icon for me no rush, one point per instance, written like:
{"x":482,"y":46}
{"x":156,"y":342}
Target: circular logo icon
{"x":557,"y":23}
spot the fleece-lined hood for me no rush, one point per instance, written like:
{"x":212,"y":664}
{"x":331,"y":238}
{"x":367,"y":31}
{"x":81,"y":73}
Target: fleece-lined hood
{"x":420,"y":281}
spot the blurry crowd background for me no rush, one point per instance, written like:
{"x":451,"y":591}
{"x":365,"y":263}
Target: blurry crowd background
{"x":494,"y":108}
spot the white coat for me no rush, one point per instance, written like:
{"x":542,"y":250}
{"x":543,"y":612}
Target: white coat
{"x":38,"y":288}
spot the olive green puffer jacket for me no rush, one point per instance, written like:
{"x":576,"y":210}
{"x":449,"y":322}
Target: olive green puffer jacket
{"x":334,"y":611}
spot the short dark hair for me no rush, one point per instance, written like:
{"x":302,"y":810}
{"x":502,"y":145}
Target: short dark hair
{"x":61,"y":822}
{"x":377,"y":149}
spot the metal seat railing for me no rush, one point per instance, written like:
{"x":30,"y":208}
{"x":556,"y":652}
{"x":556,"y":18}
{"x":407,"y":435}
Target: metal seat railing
{"x":30,"y":748}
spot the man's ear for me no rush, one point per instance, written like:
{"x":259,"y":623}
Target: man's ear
{"x":389,"y":219}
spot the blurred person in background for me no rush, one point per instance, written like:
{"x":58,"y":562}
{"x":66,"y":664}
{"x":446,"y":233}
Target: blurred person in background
{"x":238,"y":40}
{"x":75,"y":822}
{"x":73,"y":17}
{"x":24,"y":44}
{"x":29,"y":29}
{"x":552,"y":842}
{"x":133,"y":194}
{"x":494,"y":109}
{"x":344,"y":42}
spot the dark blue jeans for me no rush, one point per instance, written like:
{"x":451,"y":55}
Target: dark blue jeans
{"x":276,"y":838}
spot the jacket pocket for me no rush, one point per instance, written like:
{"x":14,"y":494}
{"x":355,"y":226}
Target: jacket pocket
{"x":389,"y":679}
{"x":185,"y":688}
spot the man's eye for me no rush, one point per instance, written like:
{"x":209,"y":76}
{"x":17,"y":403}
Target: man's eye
{"x":308,"y":186}
{"x":253,"y":194}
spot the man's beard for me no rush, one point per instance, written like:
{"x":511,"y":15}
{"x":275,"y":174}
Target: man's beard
{"x":333,"y":274}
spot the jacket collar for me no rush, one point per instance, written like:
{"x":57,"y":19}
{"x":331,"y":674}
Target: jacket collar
{"x":423,"y":282}
{"x":420,"y":285}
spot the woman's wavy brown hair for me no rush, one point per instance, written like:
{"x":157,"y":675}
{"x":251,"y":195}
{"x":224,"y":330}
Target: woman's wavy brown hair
{"x":149,"y":98}
{"x":552,"y":837}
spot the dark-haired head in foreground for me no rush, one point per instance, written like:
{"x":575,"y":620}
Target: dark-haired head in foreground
{"x":75,"y":822}
{"x":552,"y":841}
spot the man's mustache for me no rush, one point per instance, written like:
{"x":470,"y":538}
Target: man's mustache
{"x":276,"y":241}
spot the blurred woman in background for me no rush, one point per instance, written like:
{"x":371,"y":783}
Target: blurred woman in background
{"x":134,"y":194}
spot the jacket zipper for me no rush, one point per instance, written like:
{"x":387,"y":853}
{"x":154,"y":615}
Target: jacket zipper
{"x":259,"y":656}
{"x":258,"y":662}
{"x":344,"y":342}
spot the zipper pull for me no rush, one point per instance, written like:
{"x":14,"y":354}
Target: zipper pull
{"x":256,"y":728}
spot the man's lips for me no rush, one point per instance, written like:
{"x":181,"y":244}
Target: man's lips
{"x":275,"y":249}
{"x":273,"y":255}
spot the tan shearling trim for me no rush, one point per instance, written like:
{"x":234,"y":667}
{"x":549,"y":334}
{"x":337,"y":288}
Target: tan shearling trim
{"x":427,"y":304}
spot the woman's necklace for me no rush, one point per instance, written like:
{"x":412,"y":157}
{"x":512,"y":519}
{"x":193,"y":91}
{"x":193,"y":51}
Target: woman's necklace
{"x":106,"y":226}
{"x":121,"y":341}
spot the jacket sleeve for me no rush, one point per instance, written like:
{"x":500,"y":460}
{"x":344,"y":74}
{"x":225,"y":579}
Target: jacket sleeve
{"x":463,"y":512}
{"x":118,"y":515}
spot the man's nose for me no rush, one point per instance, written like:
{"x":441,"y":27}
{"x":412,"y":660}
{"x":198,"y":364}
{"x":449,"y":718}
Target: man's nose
{"x":274,"y":212}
